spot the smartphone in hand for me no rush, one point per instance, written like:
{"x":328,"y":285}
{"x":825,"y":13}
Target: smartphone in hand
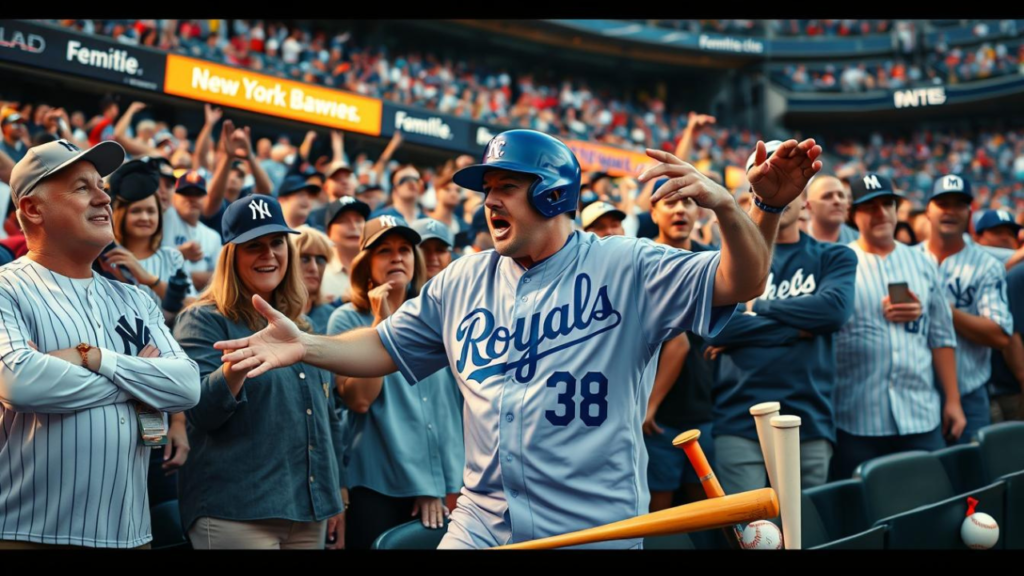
{"x":899,"y":293}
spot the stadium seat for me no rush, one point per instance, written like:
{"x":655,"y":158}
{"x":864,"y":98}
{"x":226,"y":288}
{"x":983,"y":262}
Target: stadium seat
{"x":937,"y":526}
{"x":1001,"y":449}
{"x":963,"y":467}
{"x":1014,"y":526}
{"x":167,"y":530}
{"x":840,"y":506}
{"x":410,"y":536}
{"x":900,"y":482}
{"x":870,"y":539}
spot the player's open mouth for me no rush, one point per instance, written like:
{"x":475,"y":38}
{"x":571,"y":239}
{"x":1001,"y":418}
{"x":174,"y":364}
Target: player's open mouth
{"x":500,"y":227}
{"x":680,"y":223}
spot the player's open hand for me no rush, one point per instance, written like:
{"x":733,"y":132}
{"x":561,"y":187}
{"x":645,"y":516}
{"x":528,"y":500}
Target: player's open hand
{"x":278,"y":345}
{"x":379,"y":302}
{"x":685,"y":181}
{"x":432,"y":511}
{"x":780,"y":179}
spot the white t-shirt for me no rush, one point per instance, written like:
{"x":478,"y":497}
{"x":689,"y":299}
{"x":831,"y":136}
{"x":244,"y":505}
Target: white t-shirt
{"x":335,"y":282}
{"x":290,"y":50}
{"x":178,"y":232}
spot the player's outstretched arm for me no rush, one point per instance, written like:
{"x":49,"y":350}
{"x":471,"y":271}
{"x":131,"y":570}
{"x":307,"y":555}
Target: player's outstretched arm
{"x":357,"y":353}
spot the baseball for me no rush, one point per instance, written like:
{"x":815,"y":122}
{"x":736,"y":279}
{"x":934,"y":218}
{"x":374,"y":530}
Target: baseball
{"x":761,"y":535}
{"x":979,"y":531}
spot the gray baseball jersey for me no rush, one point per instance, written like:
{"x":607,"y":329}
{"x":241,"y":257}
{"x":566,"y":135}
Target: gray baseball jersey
{"x":976,"y":284}
{"x":551,"y":363}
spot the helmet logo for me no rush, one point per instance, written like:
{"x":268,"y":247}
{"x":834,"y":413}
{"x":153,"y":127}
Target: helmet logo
{"x":495,"y":149}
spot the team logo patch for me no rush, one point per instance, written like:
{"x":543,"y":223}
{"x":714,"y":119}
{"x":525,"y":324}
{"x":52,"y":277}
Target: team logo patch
{"x":388,"y":221}
{"x":964,"y":296}
{"x":137,"y":335}
{"x":495,"y":150}
{"x":259,"y":209}
{"x":871,"y":182}
{"x":952,"y":183}
{"x":483,"y":341}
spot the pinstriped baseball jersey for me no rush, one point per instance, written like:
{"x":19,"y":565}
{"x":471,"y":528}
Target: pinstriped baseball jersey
{"x":975,"y":283}
{"x":884,"y":382}
{"x":164,"y":264}
{"x":72,"y":466}
{"x":178,"y":232}
{"x":550,"y":362}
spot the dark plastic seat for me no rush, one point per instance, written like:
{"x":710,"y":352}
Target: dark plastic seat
{"x":900,"y":482}
{"x":937,"y":526}
{"x":841,"y":507}
{"x":1002,"y":449}
{"x":963,"y":467}
{"x":870,"y":539}
{"x":167,"y":530}
{"x":1014,"y":526}
{"x":410,"y":536}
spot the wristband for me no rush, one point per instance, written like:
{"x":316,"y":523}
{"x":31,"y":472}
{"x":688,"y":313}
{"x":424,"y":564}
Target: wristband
{"x":767,"y":208}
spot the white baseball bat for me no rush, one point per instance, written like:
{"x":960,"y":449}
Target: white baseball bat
{"x":763,"y":413}
{"x":786,"y":432}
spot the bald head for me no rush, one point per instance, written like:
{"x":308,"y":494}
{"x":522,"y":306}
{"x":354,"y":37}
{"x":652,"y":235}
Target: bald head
{"x":827,"y":201}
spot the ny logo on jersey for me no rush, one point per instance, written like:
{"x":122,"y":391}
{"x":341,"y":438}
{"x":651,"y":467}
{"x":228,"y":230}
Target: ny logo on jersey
{"x":487,"y":342}
{"x":179,"y":240}
{"x":952,"y":183}
{"x":964,"y":296}
{"x":259,"y":208}
{"x":388,"y":221}
{"x":139,"y":335}
{"x":871,"y":182}
{"x":495,"y":149}
{"x":795,"y":286}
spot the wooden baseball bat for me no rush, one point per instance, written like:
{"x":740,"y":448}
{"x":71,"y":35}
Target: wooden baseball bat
{"x":763,"y":413}
{"x":786,"y":432}
{"x":703,"y":515}
{"x":688,"y":441}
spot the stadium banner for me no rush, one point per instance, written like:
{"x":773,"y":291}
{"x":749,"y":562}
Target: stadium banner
{"x":61,"y":50}
{"x":927,"y":97}
{"x":238,"y":88}
{"x":422,"y":126}
{"x":614,"y":161}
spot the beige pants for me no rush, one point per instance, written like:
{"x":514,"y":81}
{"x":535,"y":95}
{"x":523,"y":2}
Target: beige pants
{"x":216,"y":534}
{"x":15,"y":545}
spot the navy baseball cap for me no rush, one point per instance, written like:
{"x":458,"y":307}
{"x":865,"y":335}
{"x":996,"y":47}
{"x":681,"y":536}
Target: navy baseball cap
{"x":134,"y":180}
{"x":344,"y":203}
{"x":251,"y":217}
{"x":376,"y":229}
{"x":870,"y":186}
{"x":430,"y":229}
{"x":294,"y":183}
{"x":191,"y":182}
{"x":994,"y":218}
{"x":951,"y":184}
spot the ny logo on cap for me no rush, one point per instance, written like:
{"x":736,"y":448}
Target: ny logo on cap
{"x":952,"y":183}
{"x":68,"y":145}
{"x":388,"y":221}
{"x":1004,"y":216}
{"x":345,"y":200}
{"x":871,"y":182}
{"x":432,"y":225}
{"x":259,"y":208}
{"x":494,"y":149}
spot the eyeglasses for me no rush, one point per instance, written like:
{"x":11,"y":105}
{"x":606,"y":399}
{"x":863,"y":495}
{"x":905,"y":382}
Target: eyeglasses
{"x":321,"y":261}
{"x":405,"y":179}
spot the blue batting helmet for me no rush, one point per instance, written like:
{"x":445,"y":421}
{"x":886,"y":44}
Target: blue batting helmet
{"x":557,"y":189}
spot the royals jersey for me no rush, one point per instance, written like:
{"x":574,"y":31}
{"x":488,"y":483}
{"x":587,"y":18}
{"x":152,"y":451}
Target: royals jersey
{"x":550,"y":361}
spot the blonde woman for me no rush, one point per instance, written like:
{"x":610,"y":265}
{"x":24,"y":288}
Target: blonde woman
{"x":264,"y":471}
{"x":405,"y":447}
{"x":315,"y":253}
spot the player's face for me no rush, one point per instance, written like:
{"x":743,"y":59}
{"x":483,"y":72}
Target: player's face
{"x":948,"y":215}
{"x":142,"y":218}
{"x":607,"y":225}
{"x":189,"y":205}
{"x":393,"y":261}
{"x":346,"y":230}
{"x":827,"y":201}
{"x":312,"y":265}
{"x":74,"y":207}
{"x":516,"y":227}
{"x":297,"y":206}
{"x":1000,"y":237}
{"x":876,"y":220}
{"x":261,"y":263}
{"x":675,"y":218}
{"x":436,"y":255}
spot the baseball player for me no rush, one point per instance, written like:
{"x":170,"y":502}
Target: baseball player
{"x":884,"y":401}
{"x":547,"y":342}
{"x":975,"y":285}
{"x":998,"y":234}
{"x":80,"y":353}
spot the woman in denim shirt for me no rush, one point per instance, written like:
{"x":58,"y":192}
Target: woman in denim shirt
{"x":264,"y":468}
{"x":405,"y":444}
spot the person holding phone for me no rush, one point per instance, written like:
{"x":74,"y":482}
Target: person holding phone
{"x":976,"y":291}
{"x":886,"y":398}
